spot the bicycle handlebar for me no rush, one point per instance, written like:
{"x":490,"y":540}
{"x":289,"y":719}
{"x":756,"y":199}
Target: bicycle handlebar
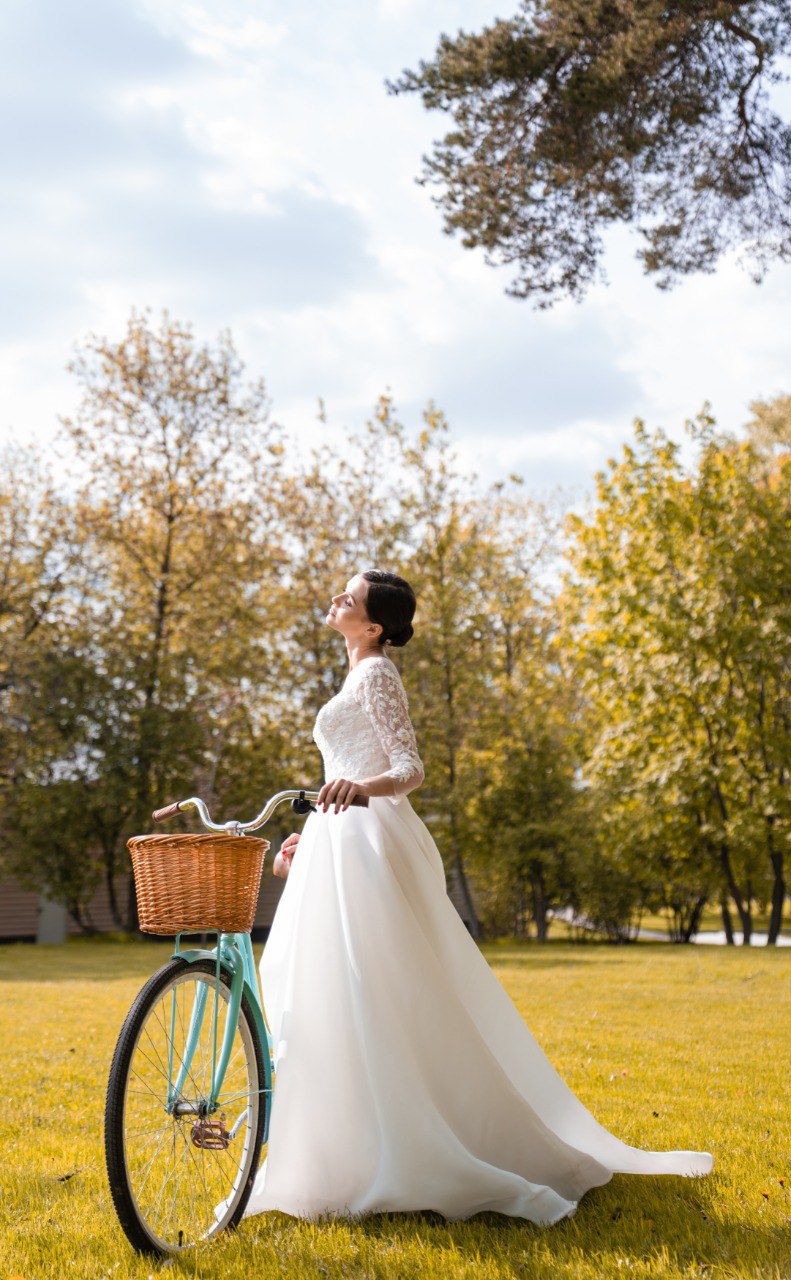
{"x":170,"y":811}
{"x":301,"y":802}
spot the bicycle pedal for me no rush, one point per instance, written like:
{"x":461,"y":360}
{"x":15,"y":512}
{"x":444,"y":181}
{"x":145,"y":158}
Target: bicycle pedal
{"x":210,"y":1135}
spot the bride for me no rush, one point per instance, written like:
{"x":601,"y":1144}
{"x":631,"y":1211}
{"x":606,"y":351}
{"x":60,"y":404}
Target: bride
{"x":405,"y":1077}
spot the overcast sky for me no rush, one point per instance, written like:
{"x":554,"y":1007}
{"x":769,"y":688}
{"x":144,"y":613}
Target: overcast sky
{"x":243,"y":165}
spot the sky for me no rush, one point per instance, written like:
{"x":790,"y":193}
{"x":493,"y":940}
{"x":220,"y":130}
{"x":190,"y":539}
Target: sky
{"x":244,"y":166}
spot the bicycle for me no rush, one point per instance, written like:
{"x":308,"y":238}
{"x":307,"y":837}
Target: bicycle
{"x":190,"y":1088}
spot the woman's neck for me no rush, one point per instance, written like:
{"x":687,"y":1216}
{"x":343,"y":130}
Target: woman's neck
{"x":360,"y":653}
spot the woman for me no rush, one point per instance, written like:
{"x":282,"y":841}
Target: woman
{"x":406,"y":1078}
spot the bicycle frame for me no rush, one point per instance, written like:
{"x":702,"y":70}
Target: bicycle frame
{"x":182,"y":1084}
{"x":234,"y":952}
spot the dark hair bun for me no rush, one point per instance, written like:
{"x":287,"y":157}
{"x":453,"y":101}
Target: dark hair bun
{"x":390,"y":602}
{"x":401,"y":637}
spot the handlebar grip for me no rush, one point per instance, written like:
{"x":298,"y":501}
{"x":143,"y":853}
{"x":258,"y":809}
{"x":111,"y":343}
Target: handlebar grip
{"x":361,"y":800}
{"x":169,"y":811}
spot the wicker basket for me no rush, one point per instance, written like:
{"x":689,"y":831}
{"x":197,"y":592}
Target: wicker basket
{"x":190,"y":883}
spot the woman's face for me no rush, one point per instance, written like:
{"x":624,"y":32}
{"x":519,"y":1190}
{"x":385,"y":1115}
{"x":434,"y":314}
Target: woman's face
{"x":347,"y":613}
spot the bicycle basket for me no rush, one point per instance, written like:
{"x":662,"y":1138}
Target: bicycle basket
{"x":189,"y":883}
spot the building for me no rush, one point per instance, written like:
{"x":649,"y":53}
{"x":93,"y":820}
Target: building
{"x":29,"y":917}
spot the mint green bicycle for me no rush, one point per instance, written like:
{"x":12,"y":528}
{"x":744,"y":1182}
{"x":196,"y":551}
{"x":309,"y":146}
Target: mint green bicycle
{"x":190,"y":1089}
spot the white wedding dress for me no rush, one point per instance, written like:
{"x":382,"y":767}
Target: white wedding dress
{"x":405,"y":1077}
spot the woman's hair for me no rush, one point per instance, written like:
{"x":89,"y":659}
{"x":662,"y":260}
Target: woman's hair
{"x":390,"y":602}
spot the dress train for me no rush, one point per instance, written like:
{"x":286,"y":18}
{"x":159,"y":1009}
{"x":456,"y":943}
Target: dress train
{"x":406,"y":1078}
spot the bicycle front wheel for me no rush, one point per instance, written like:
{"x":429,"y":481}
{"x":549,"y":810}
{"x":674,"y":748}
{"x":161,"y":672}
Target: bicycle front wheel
{"x":180,"y":1171}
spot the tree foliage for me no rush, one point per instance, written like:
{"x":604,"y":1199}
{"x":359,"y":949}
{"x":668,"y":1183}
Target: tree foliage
{"x":577,"y":115}
{"x":611,"y":740}
{"x":677,"y":608}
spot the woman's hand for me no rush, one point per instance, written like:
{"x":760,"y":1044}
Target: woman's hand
{"x":340,"y":792}
{"x":283,"y":858}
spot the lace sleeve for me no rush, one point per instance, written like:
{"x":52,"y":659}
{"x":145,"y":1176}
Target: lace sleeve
{"x":382,"y":696}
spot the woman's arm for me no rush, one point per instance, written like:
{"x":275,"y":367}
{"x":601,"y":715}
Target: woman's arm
{"x":382,"y":696}
{"x":285,"y":855}
{"x":339,"y":791}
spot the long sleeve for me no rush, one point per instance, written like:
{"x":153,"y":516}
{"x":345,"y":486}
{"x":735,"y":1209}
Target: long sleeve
{"x":382,"y":696}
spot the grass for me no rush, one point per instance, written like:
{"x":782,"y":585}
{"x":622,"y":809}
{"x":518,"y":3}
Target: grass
{"x":670,"y":1047}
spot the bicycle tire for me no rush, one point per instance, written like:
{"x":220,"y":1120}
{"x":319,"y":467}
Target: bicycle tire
{"x":141,"y":1235}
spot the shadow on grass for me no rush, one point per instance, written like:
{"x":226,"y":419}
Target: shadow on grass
{"x":97,"y":960}
{"x":519,"y":961}
{"x":631,"y":1218}
{"x":557,"y":954}
{"x":631,"y":1221}
{"x":108,"y":958}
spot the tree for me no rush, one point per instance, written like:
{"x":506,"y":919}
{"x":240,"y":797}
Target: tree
{"x":37,"y":557}
{"x":173,"y":455}
{"x":527,"y":802}
{"x":447,"y":551}
{"x":677,"y":607}
{"x":338,"y":511}
{"x":519,"y":765}
{"x":50,"y":833}
{"x":575,"y":115}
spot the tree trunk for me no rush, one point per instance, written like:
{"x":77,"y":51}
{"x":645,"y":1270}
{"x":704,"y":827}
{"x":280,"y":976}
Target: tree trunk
{"x":691,"y":928}
{"x":742,"y":906}
{"x":112,"y":897}
{"x":475,"y":924}
{"x":778,"y":888}
{"x":539,"y":895}
{"x":83,"y":922}
{"x":747,"y":917}
{"x":472,"y":915}
{"x":727,"y":923}
{"x":146,"y":746}
{"x":132,"y":917}
{"x":518,"y":910}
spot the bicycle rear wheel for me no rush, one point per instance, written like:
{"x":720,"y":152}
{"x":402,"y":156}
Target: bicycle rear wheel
{"x":171,"y":1161}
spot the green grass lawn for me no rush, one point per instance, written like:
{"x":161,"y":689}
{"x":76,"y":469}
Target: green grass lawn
{"x":670,"y":1047}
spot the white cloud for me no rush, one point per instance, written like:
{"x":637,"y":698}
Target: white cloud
{"x":244,"y":166}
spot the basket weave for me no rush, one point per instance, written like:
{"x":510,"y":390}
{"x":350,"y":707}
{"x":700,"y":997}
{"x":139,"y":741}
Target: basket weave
{"x":190,"y":883}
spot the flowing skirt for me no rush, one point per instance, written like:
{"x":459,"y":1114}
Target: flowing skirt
{"x":405,"y":1077}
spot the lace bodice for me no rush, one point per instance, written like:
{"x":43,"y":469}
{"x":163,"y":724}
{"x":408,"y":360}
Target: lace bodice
{"x":366,"y":730}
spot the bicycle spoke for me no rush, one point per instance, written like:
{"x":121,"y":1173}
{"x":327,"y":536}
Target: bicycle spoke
{"x":145,"y":1133}
{"x":174,"y":1197}
{"x":178,"y":1055}
{"x":163,"y":1068}
{"x":147,"y":1088}
{"x":155,"y":1208}
{"x":150,"y":1164}
{"x":176,"y":1169}
{"x":242,"y":1093}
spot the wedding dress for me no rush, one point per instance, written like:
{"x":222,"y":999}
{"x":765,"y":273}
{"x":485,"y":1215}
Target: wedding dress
{"x":405,"y":1077}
